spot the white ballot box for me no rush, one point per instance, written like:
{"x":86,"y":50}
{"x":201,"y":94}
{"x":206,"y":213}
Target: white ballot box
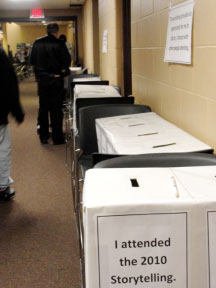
{"x":150,"y":227}
{"x":87,"y":79}
{"x":92,"y":91}
{"x":144,"y":133}
{"x":75,"y":70}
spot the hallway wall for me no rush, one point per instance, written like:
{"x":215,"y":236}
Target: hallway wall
{"x":183,"y":94}
{"x":4,"y":40}
{"x":88,"y":31}
{"x":91,"y":36}
{"x":109,"y":64}
{"x":71,"y":38}
{"x":17,"y":33}
{"x":110,"y":18}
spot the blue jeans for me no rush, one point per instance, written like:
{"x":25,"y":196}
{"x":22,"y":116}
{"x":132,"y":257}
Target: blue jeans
{"x":5,"y":157}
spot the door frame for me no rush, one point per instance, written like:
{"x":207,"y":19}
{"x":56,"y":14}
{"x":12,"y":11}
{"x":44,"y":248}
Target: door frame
{"x":126,"y":33}
{"x":53,"y":18}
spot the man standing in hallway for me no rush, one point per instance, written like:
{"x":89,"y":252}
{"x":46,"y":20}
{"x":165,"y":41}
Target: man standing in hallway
{"x":51,"y":62}
{"x":9,"y":103}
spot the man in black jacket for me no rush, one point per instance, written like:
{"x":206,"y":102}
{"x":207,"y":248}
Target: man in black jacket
{"x":51,"y":62}
{"x":9,"y":103}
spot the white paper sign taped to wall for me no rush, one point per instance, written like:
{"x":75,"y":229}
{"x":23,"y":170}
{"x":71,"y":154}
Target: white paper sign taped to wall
{"x":179,"y":33}
{"x":131,"y":254}
{"x":105,"y":41}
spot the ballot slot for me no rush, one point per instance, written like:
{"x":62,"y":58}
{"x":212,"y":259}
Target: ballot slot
{"x":134,"y":182}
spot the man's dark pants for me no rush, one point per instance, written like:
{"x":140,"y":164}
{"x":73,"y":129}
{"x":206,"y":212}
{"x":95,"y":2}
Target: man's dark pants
{"x":50,"y":91}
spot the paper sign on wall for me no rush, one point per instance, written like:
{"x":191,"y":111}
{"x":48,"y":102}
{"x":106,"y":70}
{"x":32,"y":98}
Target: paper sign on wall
{"x":135,"y":255}
{"x":179,"y":33}
{"x":105,"y":41}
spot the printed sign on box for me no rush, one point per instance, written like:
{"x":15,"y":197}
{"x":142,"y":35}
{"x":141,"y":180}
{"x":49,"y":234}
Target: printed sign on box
{"x":179,"y":33}
{"x":135,"y":255}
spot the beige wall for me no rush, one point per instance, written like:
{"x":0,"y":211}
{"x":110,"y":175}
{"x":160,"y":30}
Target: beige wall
{"x":91,"y":36}
{"x":110,"y":18}
{"x":96,"y":36}
{"x":183,"y":94}
{"x":17,"y":33}
{"x":88,"y":36}
{"x":5,"y":40}
{"x":71,"y":39}
{"x":70,"y":34}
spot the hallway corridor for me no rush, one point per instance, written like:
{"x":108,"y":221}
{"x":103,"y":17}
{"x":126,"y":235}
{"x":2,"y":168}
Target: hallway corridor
{"x":38,"y":240}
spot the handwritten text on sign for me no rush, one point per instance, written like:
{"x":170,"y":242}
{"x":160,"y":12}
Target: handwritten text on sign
{"x":135,"y":250}
{"x":179,"y":33}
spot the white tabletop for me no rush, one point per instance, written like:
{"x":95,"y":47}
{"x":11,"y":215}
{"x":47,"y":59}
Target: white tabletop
{"x":176,"y":205}
{"x":92,"y":91}
{"x":143,"y":133}
{"x":86,"y":79}
{"x":75,"y":70}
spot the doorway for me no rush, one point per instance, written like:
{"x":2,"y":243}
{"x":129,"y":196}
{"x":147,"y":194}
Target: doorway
{"x":22,"y":32}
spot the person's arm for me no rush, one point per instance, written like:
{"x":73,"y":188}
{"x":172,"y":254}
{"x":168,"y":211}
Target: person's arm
{"x":16,"y":109}
{"x":65,"y":58}
{"x":10,"y":85}
{"x":32,"y":56}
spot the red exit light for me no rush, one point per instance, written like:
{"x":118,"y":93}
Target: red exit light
{"x":37,"y":13}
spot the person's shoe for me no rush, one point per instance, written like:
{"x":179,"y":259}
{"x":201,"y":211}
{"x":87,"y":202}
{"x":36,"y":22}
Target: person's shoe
{"x":38,"y":129}
{"x":44,"y":140}
{"x":59,"y":142}
{"x":6,"y":194}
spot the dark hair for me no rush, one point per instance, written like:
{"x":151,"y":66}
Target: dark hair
{"x":52,"y":28}
{"x":63,"y":38}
